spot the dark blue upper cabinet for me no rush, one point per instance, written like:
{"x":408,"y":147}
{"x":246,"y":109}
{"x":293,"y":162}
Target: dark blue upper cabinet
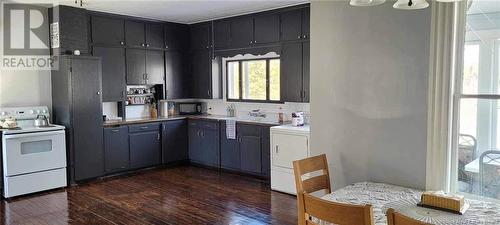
{"x":73,"y":29}
{"x":154,"y":36}
{"x":201,"y":36}
{"x":242,"y":32}
{"x":107,"y":30}
{"x":291,"y":25}
{"x":222,"y":34}
{"x":176,"y":36}
{"x":134,"y":34}
{"x":266,"y":28}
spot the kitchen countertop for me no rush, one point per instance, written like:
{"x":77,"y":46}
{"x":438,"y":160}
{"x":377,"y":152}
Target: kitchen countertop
{"x":180,"y":117}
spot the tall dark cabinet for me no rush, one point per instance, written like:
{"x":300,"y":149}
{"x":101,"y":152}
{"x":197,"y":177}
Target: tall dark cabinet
{"x":76,"y":104}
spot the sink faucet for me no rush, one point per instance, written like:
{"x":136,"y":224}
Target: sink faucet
{"x":257,"y":113}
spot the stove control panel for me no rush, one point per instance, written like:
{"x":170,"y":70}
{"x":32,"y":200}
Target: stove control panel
{"x":24,"y":113}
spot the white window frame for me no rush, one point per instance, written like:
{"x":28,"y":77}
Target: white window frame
{"x":457,"y":97}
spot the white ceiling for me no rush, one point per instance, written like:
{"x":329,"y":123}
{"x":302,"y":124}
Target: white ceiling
{"x":182,"y":11}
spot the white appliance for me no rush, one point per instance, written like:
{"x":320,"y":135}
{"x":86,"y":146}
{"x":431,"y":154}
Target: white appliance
{"x":288,"y":143}
{"x":34,"y":158}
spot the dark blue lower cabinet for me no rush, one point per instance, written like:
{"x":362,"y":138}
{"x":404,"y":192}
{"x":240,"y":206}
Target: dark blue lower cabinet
{"x":204,"y":142}
{"x":249,"y":152}
{"x":174,"y":141}
{"x":144,"y":149}
{"x":229,"y":151}
{"x":116,"y":149}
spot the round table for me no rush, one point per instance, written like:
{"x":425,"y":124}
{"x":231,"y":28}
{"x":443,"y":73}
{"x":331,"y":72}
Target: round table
{"x":404,"y":200}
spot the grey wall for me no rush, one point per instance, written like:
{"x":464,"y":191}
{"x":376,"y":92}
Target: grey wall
{"x":24,"y":87}
{"x":369,"y":71}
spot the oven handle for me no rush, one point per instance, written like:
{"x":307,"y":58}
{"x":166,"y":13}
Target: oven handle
{"x":35,"y":134}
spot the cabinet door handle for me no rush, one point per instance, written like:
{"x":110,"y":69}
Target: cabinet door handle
{"x":276,"y":149}
{"x":304,"y":36}
{"x":147,"y":45}
{"x":98,"y":93}
{"x":115,"y":131}
{"x":299,"y":37}
{"x":143,"y":45}
{"x":166,"y":46}
{"x":158,"y":136}
{"x":144,"y":128}
{"x":122,"y":43}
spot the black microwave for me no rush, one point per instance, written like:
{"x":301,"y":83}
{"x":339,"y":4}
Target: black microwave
{"x":189,"y":108}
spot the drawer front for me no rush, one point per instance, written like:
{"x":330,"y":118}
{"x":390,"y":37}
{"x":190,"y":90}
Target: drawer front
{"x":144,"y":127}
{"x":203,"y":124}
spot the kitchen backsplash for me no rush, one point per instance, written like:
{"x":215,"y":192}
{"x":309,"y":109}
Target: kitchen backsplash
{"x":219,"y":107}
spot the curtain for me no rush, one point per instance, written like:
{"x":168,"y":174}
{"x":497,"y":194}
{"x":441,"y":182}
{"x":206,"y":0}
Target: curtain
{"x":447,"y":35}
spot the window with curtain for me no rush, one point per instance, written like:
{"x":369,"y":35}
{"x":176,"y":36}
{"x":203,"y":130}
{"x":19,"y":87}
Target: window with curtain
{"x":477,"y":95}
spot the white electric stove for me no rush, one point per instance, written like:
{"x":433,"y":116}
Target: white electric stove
{"x":34,"y":158}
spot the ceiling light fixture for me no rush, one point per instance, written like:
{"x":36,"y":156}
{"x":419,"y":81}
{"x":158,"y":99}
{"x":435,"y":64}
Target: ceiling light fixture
{"x":410,"y":4}
{"x":366,"y":2}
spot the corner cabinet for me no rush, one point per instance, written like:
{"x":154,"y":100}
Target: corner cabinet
{"x":77,"y":104}
{"x":174,"y":141}
{"x":201,"y":74}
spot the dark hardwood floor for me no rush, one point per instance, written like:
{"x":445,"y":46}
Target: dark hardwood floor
{"x":182,"y":195}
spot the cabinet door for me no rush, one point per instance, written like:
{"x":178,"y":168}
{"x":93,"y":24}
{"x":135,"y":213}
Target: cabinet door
{"x":134,"y":34}
{"x":174,"y":141}
{"x":144,"y":149}
{"x":251,"y":154}
{"x":136,"y":66}
{"x":250,"y":148}
{"x":73,"y":29}
{"x":200,"y":36}
{"x":210,"y":147}
{"x":155,"y":68}
{"x":108,"y":31}
{"x":291,"y":70}
{"x":176,"y":72}
{"x":267,"y":28}
{"x":176,"y":36}
{"x":242,"y":32}
{"x":87,"y":118}
{"x":195,"y":153}
{"x":229,"y":151}
{"x":201,"y":74}
{"x":222,"y":35}
{"x":291,"y":25}
{"x":306,"y":17}
{"x":116,"y":149}
{"x":154,"y":36}
{"x":113,"y":72}
{"x":305,"y":71}
{"x":266,"y":151}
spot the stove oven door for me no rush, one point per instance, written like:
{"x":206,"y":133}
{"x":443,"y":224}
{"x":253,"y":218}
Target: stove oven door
{"x":33,"y":152}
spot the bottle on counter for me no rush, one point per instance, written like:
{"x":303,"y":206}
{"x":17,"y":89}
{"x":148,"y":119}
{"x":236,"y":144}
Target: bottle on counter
{"x":280,"y":116}
{"x":153,"y":112}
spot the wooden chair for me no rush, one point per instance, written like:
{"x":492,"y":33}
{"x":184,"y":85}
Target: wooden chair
{"x":335,"y":212}
{"x":309,"y":206}
{"x":394,"y":218}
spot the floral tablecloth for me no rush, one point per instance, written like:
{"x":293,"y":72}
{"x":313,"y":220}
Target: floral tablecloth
{"x":404,"y":200}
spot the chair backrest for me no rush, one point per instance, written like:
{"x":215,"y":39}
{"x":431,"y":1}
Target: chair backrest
{"x":310,"y":184}
{"x":394,"y":218}
{"x":336,"y":213}
{"x":314,"y":183}
{"x":489,"y":169}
